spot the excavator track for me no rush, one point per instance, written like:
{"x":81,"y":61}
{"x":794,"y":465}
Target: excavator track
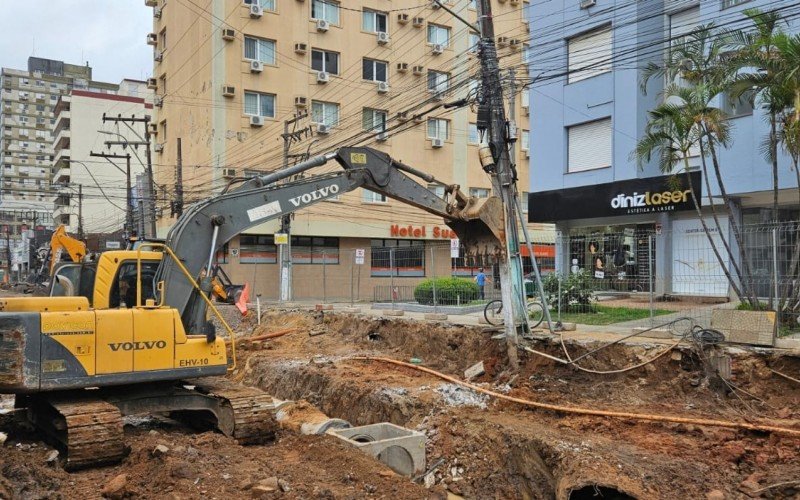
{"x":86,"y":430}
{"x":253,"y":411}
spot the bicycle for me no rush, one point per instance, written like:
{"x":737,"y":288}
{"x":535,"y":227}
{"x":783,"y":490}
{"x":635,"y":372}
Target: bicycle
{"x":493,"y":312}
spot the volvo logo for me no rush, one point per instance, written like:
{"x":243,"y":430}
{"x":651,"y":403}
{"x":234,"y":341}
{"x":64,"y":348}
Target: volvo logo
{"x":138,"y":346}
{"x":318,"y":194}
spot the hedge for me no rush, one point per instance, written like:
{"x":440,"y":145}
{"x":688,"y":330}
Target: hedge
{"x":449,"y":291}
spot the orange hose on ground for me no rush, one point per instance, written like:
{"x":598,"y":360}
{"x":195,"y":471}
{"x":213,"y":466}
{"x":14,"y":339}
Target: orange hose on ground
{"x":271,"y":335}
{"x":586,"y":411}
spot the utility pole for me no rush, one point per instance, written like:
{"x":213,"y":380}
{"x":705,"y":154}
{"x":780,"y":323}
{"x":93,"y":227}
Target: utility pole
{"x":285,"y":251}
{"x":177,"y":205}
{"x":80,"y":212}
{"x":496,"y":161}
{"x":128,"y":194}
{"x":149,"y":167}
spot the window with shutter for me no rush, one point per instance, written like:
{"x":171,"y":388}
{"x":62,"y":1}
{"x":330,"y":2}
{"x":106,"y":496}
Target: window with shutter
{"x":590,"y":146}
{"x":589,"y":54}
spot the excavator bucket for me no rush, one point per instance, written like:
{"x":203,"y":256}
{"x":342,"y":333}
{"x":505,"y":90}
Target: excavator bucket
{"x":480,"y":228}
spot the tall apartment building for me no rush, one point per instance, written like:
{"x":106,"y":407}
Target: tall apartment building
{"x":90,"y":186}
{"x":229,"y":74}
{"x":582,"y":175}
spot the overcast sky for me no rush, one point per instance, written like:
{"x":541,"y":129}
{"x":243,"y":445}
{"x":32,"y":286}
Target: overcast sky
{"x":110,"y":34}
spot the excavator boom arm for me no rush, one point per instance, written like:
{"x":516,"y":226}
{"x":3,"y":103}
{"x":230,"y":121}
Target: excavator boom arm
{"x":209,"y":224}
{"x":60,"y":240}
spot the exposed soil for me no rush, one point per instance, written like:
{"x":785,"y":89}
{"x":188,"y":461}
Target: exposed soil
{"x":478,"y":447}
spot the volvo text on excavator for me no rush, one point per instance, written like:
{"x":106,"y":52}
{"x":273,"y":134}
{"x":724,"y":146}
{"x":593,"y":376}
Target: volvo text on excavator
{"x":131,"y":333}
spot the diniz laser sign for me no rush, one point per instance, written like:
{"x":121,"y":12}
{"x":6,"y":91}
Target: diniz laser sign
{"x":317,"y":194}
{"x":647,"y":199}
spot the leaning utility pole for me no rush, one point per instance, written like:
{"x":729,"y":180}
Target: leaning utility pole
{"x":80,"y":212}
{"x":177,"y":206}
{"x":497,"y":162}
{"x":149,"y":167}
{"x":285,"y":250}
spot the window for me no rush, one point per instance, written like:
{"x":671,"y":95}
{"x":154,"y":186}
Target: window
{"x":374,"y":70}
{"x":162,"y":39}
{"x":164,"y":131}
{"x":473,"y":137}
{"x":315,"y":250}
{"x":589,"y":55}
{"x":526,"y":53}
{"x":682,"y":24}
{"x":438,"y":128}
{"x":373,"y":21}
{"x":737,"y":107}
{"x":372,"y":197}
{"x":438,"y":35}
{"x":436,"y":189}
{"x":325,"y":9}
{"x":732,"y":3}
{"x":39,"y":83}
{"x":523,"y":139}
{"x":403,"y":258}
{"x":326,"y":113}
{"x":474,"y":40}
{"x":479,"y":192}
{"x":323,"y":60}
{"x":589,"y":145}
{"x":265,"y":4}
{"x":258,"y":104}
{"x":523,"y":202}
{"x":373,"y":119}
{"x":257,"y":49}
{"x":438,"y":82}
{"x":257,"y":249}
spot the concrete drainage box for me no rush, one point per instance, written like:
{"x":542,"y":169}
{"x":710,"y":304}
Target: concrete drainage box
{"x":403,"y":450}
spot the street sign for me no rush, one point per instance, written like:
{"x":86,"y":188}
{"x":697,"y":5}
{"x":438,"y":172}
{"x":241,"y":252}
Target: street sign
{"x":113,"y":245}
{"x":281,"y":239}
{"x":455,"y":248}
{"x":360,"y":256}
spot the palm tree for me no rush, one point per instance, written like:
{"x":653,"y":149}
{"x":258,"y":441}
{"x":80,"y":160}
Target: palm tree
{"x":683,"y":122}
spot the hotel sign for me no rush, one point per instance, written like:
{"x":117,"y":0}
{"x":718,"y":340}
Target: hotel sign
{"x":666,"y":193}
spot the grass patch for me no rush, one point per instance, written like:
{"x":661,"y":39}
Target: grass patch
{"x":606,"y":315}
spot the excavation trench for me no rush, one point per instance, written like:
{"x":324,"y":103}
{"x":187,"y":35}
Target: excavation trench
{"x":484,"y":448}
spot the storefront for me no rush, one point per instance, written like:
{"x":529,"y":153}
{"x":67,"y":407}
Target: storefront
{"x":629,"y":235}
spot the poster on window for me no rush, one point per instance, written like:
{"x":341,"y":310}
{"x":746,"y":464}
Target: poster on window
{"x":695,"y":268}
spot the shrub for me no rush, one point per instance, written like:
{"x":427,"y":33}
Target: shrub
{"x":576,"y":291}
{"x":449,"y":291}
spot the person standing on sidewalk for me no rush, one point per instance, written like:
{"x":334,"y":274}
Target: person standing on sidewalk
{"x":480,"y":279}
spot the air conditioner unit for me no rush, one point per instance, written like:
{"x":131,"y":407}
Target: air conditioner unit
{"x":402,"y":116}
{"x":256,"y":121}
{"x":158,"y":101}
{"x":323,"y":25}
{"x":502,"y":41}
{"x":150,"y":3}
{"x":382,"y":136}
{"x":256,"y":66}
{"x":526,"y":110}
{"x":435,"y":5}
{"x":323,"y":129}
{"x":23,"y":97}
{"x":436,"y":142}
{"x":383,"y":37}
{"x":402,"y":18}
{"x":402,"y":67}
{"x":228,"y":173}
{"x":228,"y":90}
{"x":323,"y":77}
{"x":437,"y":48}
{"x":256,"y":11}
{"x":152,"y":39}
{"x":152,"y":83}
{"x":418,"y":22}
{"x":585,"y":4}
{"x":437,"y":96}
{"x":514,"y":2}
{"x":383,"y":87}
{"x":157,"y":12}
{"x":153,"y":129}
{"x":527,"y":153}
{"x":158,"y":147}
{"x":158,"y":55}
{"x":228,"y":34}
{"x":301,"y":101}
{"x":419,"y":118}
{"x":418,"y":70}
{"x":515,"y":43}
{"x":300,"y":48}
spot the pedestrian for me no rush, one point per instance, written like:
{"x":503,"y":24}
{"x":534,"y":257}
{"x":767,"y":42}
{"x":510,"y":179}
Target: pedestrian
{"x":480,"y":279}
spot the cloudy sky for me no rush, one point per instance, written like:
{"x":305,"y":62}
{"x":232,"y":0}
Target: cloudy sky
{"x":110,"y":34}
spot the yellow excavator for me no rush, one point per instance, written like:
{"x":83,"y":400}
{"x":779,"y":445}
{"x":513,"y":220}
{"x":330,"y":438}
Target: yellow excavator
{"x":129,"y":332}
{"x":60,"y":242}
